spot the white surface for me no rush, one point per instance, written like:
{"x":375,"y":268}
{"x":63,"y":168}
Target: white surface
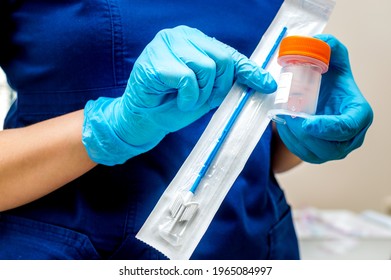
{"x":342,"y":234}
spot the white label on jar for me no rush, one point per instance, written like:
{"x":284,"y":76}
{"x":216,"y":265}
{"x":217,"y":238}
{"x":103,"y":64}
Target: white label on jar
{"x":284,"y":86}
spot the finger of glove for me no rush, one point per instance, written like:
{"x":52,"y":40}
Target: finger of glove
{"x":165,"y":73}
{"x":205,"y":69}
{"x":157,"y":77}
{"x":312,"y":149}
{"x":246,"y":71}
{"x":252,"y":75}
{"x":344,"y":127}
{"x":191,"y":47}
{"x":180,"y":84}
{"x":224,"y":67}
{"x":339,"y":53}
{"x":203,"y":56}
{"x":341,"y":148}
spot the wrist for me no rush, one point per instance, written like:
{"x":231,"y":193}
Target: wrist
{"x":99,"y":135}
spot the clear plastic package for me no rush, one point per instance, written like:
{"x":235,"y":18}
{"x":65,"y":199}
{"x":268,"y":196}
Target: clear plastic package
{"x":186,"y":208}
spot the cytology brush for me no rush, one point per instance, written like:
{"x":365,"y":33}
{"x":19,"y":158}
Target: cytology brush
{"x":301,"y":17}
{"x":184,"y":208}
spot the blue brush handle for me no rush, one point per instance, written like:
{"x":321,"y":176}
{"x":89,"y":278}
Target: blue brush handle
{"x":243,"y":100}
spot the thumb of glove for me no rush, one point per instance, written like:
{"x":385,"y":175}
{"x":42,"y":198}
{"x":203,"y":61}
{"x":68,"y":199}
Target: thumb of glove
{"x":339,"y":53}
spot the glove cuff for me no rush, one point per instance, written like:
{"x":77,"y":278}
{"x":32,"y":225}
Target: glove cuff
{"x":100,"y":140}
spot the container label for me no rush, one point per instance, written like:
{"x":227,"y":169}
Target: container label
{"x":284,"y":86}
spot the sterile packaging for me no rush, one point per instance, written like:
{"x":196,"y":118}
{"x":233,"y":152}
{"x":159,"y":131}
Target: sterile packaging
{"x":188,"y":205}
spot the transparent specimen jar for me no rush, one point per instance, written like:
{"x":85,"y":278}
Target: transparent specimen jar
{"x":303,"y":60}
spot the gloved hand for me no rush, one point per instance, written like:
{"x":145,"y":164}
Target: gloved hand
{"x":179,"y":77}
{"x":343,"y":115}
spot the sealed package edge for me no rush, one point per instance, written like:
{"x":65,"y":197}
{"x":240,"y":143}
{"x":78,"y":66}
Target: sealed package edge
{"x":188,"y":205}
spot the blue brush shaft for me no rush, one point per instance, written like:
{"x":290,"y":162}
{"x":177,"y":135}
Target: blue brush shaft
{"x":243,"y":100}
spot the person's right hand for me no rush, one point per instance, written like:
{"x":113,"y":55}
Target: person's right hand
{"x":180,"y":76}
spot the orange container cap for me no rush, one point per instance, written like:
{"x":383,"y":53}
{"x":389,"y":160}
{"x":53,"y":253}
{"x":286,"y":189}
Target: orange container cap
{"x":306,"y":46}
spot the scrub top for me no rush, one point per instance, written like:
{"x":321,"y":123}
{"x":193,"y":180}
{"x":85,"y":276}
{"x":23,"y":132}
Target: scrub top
{"x":57,"y":55}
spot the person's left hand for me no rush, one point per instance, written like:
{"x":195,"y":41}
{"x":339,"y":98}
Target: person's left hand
{"x":342,"y":119}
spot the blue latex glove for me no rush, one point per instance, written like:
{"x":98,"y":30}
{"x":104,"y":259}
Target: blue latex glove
{"x":343,"y":115}
{"x":180,"y":76}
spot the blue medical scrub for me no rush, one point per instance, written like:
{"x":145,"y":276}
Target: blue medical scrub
{"x":58,"y":54}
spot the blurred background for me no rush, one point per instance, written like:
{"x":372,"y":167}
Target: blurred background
{"x":336,"y":204}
